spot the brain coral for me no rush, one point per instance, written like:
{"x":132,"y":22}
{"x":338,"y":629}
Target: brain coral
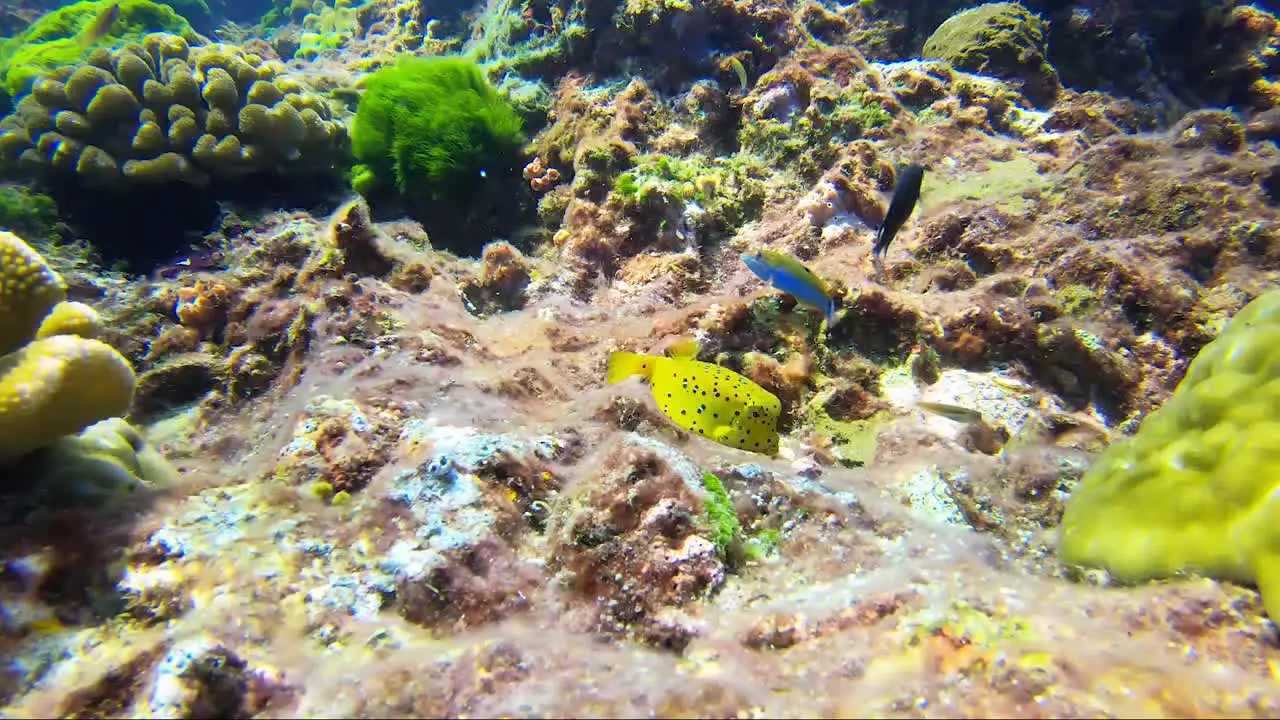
{"x":51,"y":384}
{"x":1196,"y":489}
{"x":161,"y":111}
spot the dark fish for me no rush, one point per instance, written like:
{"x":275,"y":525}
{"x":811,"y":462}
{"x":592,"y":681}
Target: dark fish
{"x":199,"y":260}
{"x":900,"y":207}
{"x":101,"y":25}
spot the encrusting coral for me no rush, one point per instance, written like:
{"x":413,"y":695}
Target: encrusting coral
{"x":1195,"y":489}
{"x":162,"y":111}
{"x":51,"y":384}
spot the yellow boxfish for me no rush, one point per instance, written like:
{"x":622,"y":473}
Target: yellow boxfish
{"x":706,"y":399}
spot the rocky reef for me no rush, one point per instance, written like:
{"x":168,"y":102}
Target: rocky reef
{"x":345,"y":458}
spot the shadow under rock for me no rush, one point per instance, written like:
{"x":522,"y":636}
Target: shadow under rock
{"x":143,"y":228}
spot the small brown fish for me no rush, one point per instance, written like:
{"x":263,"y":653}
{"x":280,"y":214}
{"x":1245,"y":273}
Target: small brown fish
{"x":100,"y":25}
{"x":978,"y":434}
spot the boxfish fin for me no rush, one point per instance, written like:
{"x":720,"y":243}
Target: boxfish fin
{"x":686,"y":348}
{"x":623,"y":365}
{"x":722,"y":433}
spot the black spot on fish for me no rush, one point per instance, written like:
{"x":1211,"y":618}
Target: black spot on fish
{"x":683,"y":412}
{"x":715,"y":416}
{"x":668,"y":394}
{"x":737,"y":413}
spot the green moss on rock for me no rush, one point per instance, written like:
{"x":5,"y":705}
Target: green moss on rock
{"x":1002,"y":39}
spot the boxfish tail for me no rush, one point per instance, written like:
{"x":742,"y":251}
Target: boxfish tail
{"x":623,"y":365}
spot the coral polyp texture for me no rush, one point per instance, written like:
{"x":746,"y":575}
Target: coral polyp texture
{"x":51,"y":384}
{"x":161,"y":111}
{"x":1196,"y":489}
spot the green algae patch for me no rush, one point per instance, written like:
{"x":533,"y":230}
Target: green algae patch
{"x":1005,"y":40}
{"x":1078,"y":300}
{"x":726,"y":530}
{"x":1002,"y":183}
{"x":853,"y":441}
{"x":983,"y":628}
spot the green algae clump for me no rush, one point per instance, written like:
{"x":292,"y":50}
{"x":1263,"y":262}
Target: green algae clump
{"x":54,"y":40}
{"x":1195,"y":490}
{"x":429,"y":127}
{"x":1002,"y":39}
{"x":723,"y":519}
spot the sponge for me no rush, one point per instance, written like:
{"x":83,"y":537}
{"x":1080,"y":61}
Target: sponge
{"x":57,"y":386}
{"x":59,"y":383}
{"x":29,"y":288}
{"x":1196,"y":489}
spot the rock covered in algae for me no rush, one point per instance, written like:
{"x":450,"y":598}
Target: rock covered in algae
{"x":1001,"y":39}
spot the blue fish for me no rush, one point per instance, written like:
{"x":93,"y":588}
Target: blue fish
{"x":787,"y":274}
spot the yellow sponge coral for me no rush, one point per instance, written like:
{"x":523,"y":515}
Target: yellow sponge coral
{"x":71,"y":318}
{"x":29,"y":288}
{"x":106,"y":463}
{"x":59,"y":383}
{"x":1196,"y":489}
{"x":57,"y":386}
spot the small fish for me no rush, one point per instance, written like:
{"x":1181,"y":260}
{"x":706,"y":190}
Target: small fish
{"x":957,"y":413}
{"x":198,"y":260}
{"x":100,"y":25}
{"x":704,"y":398}
{"x":740,"y":71}
{"x":787,"y":274}
{"x":904,"y":200}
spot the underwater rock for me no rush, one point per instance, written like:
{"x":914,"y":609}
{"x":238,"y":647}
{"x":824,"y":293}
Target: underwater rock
{"x":504,"y":276}
{"x":175,"y":382}
{"x":640,"y":538}
{"x":1001,"y":39}
{"x":352,"y":232}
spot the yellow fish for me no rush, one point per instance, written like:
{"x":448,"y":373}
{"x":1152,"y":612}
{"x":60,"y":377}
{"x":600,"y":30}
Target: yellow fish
{"x":706,"y":399}
{"x":100,"y":25}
